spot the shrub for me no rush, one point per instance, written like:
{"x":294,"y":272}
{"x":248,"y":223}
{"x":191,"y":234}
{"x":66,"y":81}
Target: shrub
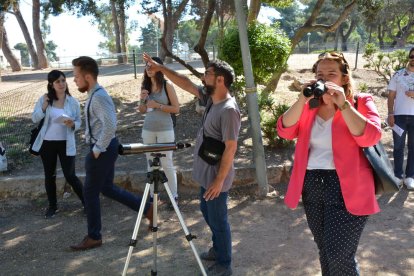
{"x":269,"y":114}
{"x":384,"y":64}
{"x":269,"y":48}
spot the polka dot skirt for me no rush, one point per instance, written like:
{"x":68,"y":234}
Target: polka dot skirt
{"x":335,"y":230}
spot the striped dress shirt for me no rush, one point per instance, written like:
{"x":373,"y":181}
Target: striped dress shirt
{"x":102,"y":119}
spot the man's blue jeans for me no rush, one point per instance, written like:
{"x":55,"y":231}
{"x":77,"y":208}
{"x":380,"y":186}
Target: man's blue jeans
{"x":100,"y":178}
{"x":215,"y":214}
{"x":405,"y":122}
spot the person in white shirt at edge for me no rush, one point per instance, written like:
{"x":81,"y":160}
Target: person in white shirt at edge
{"x":57,"y":138}
{"x":401,"y":113}
{"x":158,"y":100}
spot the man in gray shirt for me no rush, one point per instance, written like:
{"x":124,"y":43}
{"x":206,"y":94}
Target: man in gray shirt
{"x":221,"y":121}
{"x":100,"y":130}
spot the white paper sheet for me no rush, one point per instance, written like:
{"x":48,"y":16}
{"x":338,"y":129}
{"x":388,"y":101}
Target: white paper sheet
{"x":397,"y":129}
{"x":62,"y":118}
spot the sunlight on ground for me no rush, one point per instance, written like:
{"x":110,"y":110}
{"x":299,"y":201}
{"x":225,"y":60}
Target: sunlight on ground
{"x":15,"y":242}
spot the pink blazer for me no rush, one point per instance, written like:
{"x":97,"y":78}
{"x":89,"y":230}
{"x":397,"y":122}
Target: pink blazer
{"x":352,"y":167}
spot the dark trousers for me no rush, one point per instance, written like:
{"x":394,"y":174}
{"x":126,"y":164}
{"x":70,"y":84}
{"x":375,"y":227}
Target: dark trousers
{"x":335,"y":230}
{"x":215,"y":214}
{"x":49,"y":152}
{"x":100,"y":178}
{"x":406,"y":122}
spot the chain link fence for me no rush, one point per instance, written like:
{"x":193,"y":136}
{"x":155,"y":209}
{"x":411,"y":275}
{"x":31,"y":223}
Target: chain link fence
{"x":17,"y":100}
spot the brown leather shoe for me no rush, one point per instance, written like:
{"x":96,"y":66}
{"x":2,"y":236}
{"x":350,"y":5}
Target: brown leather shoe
{"x":86,"y":243}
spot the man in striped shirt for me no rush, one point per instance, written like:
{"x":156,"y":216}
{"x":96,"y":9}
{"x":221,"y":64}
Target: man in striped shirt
{"x":100,"y":117}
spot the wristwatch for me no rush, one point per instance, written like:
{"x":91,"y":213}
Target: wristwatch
{"x":345,"y":106}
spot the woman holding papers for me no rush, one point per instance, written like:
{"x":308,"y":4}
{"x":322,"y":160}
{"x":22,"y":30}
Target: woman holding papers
{"x":61,"y":114}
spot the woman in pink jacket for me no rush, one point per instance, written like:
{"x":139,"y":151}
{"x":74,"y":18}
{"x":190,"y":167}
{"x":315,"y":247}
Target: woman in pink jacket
{"x":330,"y":171}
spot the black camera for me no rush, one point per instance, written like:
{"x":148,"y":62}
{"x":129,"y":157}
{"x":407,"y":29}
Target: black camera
{"x":316,"y":89}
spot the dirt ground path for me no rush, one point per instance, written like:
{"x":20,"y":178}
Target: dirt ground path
{"x":268,"y":239}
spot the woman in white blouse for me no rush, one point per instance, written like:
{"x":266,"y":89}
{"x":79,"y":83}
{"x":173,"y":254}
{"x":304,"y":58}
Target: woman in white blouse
{"x":61,"y":114}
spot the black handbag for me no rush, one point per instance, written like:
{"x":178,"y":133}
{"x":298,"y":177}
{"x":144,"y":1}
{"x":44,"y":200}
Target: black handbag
{"x":384,"y":179}
{"x":210,"y":149}
{"x":33,"y":135}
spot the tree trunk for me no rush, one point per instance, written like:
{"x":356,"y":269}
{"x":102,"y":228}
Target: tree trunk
{"x":337,"y":34}
{"x":402,"y":36}
{"x":122,"y":30}
{"x":170,"y":23}
{"x":26,"y":34}
{"x":117,"y":33}
{"x":37,"y":34}
{"x":380,"y":35}
{"x":254,"y":10}
{"x":5,"y":47}
{"x":200,"y":47}
{"x":165,"y":49}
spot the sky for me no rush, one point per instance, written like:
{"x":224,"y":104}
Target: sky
{"x":77,"y":36}
{"x":74,"y":36}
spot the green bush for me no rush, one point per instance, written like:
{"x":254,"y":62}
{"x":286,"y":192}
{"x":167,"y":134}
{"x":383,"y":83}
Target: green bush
{"x":269,"y":48}
{"x":384,"y":64}
{"x":269,"y":114}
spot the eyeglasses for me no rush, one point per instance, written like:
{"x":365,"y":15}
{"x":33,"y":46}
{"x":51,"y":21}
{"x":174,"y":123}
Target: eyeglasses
{"x":411,"y":57}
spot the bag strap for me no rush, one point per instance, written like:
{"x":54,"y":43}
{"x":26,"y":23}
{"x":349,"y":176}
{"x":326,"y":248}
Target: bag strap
{"x":166,"y":92}
{"x":89,"y":122}
{"x":205,"y":116}
{"x":356,"y":102}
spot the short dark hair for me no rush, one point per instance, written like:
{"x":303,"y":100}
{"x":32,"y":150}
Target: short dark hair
{"x":87,"y":65}
{"x":411,"y":50}
{"x":222,"y":68}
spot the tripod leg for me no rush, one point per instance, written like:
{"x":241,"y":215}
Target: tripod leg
{"x":188,"y":235}
{"x":154,"y":230}
{"x":133,"y":241}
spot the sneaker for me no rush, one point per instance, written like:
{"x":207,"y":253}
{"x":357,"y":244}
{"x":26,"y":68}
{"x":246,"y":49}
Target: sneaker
{"x":210,"y":255}
{"x":219,"y":270}
{"x":51,"y":212}
{"x":409,"y":182}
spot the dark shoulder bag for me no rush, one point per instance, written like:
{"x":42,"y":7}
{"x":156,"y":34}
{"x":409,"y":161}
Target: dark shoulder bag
{"x":173,"y":115}
{"x":384,"y":179}
{"x":34,"y":133}
{"x":211,"y":150}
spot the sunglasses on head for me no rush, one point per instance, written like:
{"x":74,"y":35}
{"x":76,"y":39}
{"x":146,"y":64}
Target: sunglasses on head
{"x":333,"y":55}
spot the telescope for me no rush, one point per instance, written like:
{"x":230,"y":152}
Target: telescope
{"x":136,"y":148}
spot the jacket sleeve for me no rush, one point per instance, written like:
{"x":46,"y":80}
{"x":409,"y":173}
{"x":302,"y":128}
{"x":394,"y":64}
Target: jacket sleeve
{"x":372,"y":131}
{"x":289,"y":133}
{"x":38,"y":113}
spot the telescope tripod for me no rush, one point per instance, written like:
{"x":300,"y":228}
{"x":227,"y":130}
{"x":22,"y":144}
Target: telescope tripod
{"x":154,"y":177}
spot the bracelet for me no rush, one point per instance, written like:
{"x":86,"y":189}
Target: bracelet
{"x":344,"y":106}
{"x":390,"y":114}
{"x":160,"y":106}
